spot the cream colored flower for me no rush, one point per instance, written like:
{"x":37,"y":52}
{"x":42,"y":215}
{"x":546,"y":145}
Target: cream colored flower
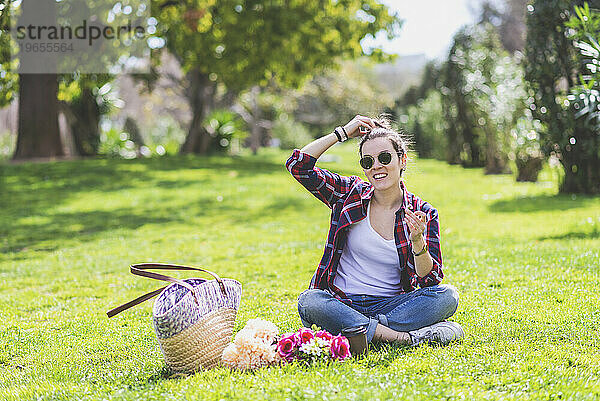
{"x":230,"y":356}
{"x":263,"y":329}
{"x":252,"y":347}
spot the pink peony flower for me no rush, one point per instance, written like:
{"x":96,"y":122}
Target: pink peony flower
{"x":325,"y":335}
{"x":286,"y":346}
{"x":340,"y":348}
{"x":305,"y":335}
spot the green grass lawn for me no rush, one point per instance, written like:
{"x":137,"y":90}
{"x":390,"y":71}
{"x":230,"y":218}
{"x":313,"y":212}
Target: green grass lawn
{"x":525,"y":260}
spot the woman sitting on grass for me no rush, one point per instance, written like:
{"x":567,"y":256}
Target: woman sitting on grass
{"x":383,"y":242}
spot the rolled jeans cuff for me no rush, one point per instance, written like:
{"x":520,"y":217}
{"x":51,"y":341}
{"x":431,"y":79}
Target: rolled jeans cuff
{"x":373,"y":325}
{"x":383,"y":319}
{"x":371,"y":329}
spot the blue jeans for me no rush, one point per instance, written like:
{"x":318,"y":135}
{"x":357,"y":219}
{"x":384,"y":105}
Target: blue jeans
{"x":404,"y":312}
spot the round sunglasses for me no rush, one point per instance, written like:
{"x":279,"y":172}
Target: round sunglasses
{"x":384,"y":158}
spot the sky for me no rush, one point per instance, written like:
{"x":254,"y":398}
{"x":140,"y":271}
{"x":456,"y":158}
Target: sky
{"x":428,"y":26}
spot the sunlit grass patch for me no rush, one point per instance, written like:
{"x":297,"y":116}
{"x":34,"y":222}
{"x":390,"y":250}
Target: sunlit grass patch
{"x":524,"y":259}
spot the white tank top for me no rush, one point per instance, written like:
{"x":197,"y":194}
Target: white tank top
{"x":369,"y":263}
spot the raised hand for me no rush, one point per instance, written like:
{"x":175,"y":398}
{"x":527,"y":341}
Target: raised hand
{"x":353,"y":127}
{"x":417,"y":223}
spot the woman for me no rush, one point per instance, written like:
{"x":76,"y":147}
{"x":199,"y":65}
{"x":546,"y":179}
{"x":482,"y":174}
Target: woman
{"x":383,"y":243}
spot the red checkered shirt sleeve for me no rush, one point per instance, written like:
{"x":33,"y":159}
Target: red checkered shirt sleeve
{"x":326,"y":186}
{"x":432,"y":236}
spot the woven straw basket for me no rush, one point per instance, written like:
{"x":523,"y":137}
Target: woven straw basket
{"x":193,"y":318}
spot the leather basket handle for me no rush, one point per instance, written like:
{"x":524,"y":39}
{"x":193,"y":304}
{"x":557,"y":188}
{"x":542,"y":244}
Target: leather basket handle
{"x":141,"y":269}
{"x":135,"y":302}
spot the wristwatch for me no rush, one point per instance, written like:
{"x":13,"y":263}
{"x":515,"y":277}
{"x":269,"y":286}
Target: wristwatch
{"x":422,"y":250}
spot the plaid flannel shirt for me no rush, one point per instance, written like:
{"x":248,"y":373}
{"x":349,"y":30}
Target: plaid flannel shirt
{"x":348,"y":197}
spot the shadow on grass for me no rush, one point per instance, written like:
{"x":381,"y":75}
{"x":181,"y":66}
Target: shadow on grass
{"x":165,"y":373}
{"x":380,"y":355}
{"x":541,"y":203}
{"x":594,"y":234}
{"x":30,"y":190}
{"x":62,"y":227}
{"x":281,"y":203}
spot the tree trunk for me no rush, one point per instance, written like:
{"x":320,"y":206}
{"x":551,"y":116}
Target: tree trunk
{"x":464,"y":121}
{"x":453,"y":148}
{"x":132,"y":128}
{"x":422,"y":146}
{"x":85,"y":125}
{"x":529,"y":168}
{"x":496,"y":161}
{"x":255,"y":129}
{"x":582,"y":174}
{"x":470,"y":140}
{"x":38,"y":134}
{"x":201,"y":96}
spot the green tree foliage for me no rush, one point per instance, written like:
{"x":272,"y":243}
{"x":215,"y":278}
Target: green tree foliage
{"x":43,"y":96}
{"x":585,"y":97}
{"x":294,"y":116}
{"x":244,"y":43}
{"x":290,"y":134}
{"x":84,"y":99}
{"x":429,"y":80}
{"x":337,"y":95}
{"x":483,"y":97}
{"x":9,"y":79}
{"x":508,"y":18}
{"x":425,"y":121}
{"x":527,"y":154}
{"x":553,"y":68}
{"x":420,"y":110}
{"x":224,"y":126}
{"x":464,"y":144}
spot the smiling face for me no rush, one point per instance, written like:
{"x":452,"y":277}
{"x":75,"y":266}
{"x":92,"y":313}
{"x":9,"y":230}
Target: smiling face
{"x":383,"y":176}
